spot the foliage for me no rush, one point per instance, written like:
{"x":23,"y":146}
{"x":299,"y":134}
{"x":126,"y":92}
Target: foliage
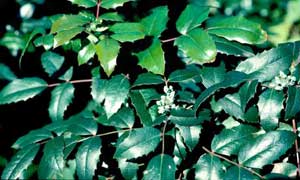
{"x":234,"y":91}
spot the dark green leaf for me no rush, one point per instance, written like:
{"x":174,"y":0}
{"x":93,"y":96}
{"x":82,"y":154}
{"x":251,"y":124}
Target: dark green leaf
{"x":128,"y":169}
{"x":135,"y":144}
{"x":212,"y":75}
{"x":67,"y":76}
{"x":231,"y":104}
{"x":6,"y":73}
{"x":266,"y":148}
{"x":21,"y":90}
{"x":86,"y":53}
{"x":293,"y":102}
{"x":122,"y":119}
{"x":32,"y":137}
{"x":270,"y":104}
{"x":246,"y":92}
{"x":209,"y":167}
{"x":87,"y":158}
{"x":20,"y":162}
{"x":68,"y":22}
{"x":286,"y":169}
{"x":183,"y":75}
{"x":46,"y":41}
{"x":184,"y":117}
{"x":112,"y":16}
{"x":191,"y":17}
{"x":113,"y":4}
{"x":52,"y":62}
{"x":160,"y":167}
{"x":84,"y":3}
{"x":65,"y":36}
{"x":83,"y":124}
{"x":127,"y":32}
{"x":180,"y":150}
{"x":238,"y":173}
{"x":191,"y":135}
{"x":148,"y":79}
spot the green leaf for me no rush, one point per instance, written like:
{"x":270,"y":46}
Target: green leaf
{"x":148,"y":79}
{"x":69,"y":170}
{"x":87,"y":158}
{"x":180,"y":150}
{"x":68,"y":22}
{"x":135,"y":144}
{"x":112,"y":16}
{"x":266,"y":148}
{"x":65,"y":36}
{"x":209,"y":167}
{"x":6,"y":73}
{"x":239,"y":173}
{"x":232,"y":48}
{"x":46,"y":41}
{"x":191,"y":17}
{"x":246,"y":92}
{"x":84,"y":3}
{"x":182,"y":75}
{"x":128,"y":169}
{"x":107,"y":51}
{"x":191,"y":135}
{"x":160,"y":167}
{"x":237,"y":28}
{"x":61,"y":97}
{"x":20,"y":162}
{"x":21,"y":90}
{"x":231,"y":104}
{"x":52,"y":62}
{"x":286,"y":169}
{"x":268,"y":64}
{"x":229,"y":141}
{"x":32,"y":137}
{"x":86,"y":53}
{"x":113,"y":4}
{"x":52,"y":163}
{"x":127,"y":31}
{"x":67,"y":76}
{"x":270,"y":104}
{"x":212,"y":75}
{"x":153,"y":58}
{"x":292,"y":103}
{"x":122,"y":119}
{"x":184,"y":117}
{"x":198,"y":46}
{"x":156,"y":22}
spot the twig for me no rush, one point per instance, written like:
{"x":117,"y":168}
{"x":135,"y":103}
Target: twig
{"x":98,"y":8}
{"x":232,"y":162}
{"x":168,"y":40}
{"x":296,"y":148}
{"x":163,"y":138}
{"x":72,"y":82}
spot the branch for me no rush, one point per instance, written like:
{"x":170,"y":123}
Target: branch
{"x":232,"y":162}
{"x":168,"y":40}
{"x":98,"y":9}
{"x":163,"y":138}
{"x":72,"y":82}
{"x":296,"y":148}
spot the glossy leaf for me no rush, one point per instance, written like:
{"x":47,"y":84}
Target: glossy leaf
{"x":52,"y":62}
{"x":198,"y":46}
{"x":208,"y":167}
{"x":87,"y":158}
{"x":287,"y":169}
{"x":84,"y":3}
{"x":153,"y":58}
{"x":46,"y":41}
{"x":112,"y":16}
{"x":135,"y":144}
{"x":128,"y":169}
{"x":148,"y":79}
{"x":21,"y":90}
{"x":127,"y":32}
{"x":212,"y":75}
{"x":184,"y":117}
{"x":6,"y":73}
{"x":67,"y":76}
{"x":68,"y":22}
{"x":20,"y":162}
{"x":156,"y":22}
{"x":191,"y":17}
{"x":182,"y":75}
{"x":266,"y":148}
{"x":32,"y":137}
{"x":160,"y":167}
{"x":65,"y":36}
{"x":229,"y":141}
{"x":237,"y":28}
{"x":191,"y":135}
{"x":86,"y":53}
{"x":292,"y":103}
{"x":238,"y":173}
{"x":107,"y":51}
{"x":113,"y":4}
{"x":122,"y":119}
{"x":270,"y":104}
{"x":246,"y":92}
{"x":231,"y":104}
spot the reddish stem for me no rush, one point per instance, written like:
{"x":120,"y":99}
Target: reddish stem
{"x":169,"y":40}
{"x":72,"y":82}
{"x":98,"y":9}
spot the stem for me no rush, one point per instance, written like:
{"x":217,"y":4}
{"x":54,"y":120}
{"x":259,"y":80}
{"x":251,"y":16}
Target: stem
{"x":168,"y":40}
{"x":163,"y":138}
{"x":234,"y":163}
{"x":98,"y":9}
{"x":73,"y":82}
{"x":296,"y":148}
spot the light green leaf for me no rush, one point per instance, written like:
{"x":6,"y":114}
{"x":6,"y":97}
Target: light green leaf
{"x":32,"y":137}
{"x":6,"y":73}
{"x":52,"y":163}
{"x":65,"y":36}
{"x":191,"y":17}
{"x":292,"y":103}
{"x":46,"y":41}
{"x":135,"y":144}
{"x":61,"y":97}
{"x":69,"y":170}
{"x":86,"y":53}
{"x":112,"y":16}
{"x":156,"y":22}
{"x":113,"y":4}
{"x":160,"y":167}
{"x":198,"y":46}
{"x":237,"y":28}
{"x":209,"y":167}
{"x":229,"y":141}
{"x":148,"y":79}
{"x":238,"y":173}
{"x":191,"y":135}
{"x":67,"y":76}
{"x":20,"y":162}
{"x":246,"y":92}
{"x":107,"y":51}
{"x":286,"y":169}
{"x":87,"y":158}
{"x":52,"y":62}
{"x":153,"y":58}
{"x":21,"y":90}
{"x":270,"y":104}
{"x":128,"y":169}
{"x":127,"y":31}
{"x":266,"y":148}
{"x":268,"y":64}
{"x":68,"y":22}
{"x":212,"y":75}
{"x":84,"y":3}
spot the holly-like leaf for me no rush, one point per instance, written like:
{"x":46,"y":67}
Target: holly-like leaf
{"x":183,"y":75}
{"x":191,"y":17}
{"x":266,"y":148}
{"x":86,"y":53}
{"x":229,"y":141}
{"x":21,"y":90}
{"x":113,"y":4}
{"x":107,"y":51}
{"x":61,"y":97}
{"x":20,"y":162}
{"x":135,"y":144}
{"x":153,"y":58}
{"x":212,"y":75}
{"x":184,"y":117}
{"x":112,"y":16}
{"x":65,"y":36}
{"x":52,"y":62}
{"x":122,"y":119}
{"x":68,"y":22}
{"x":270,"y":104}
{"x":82,"y":124}
{"x":246,"y":92}
{"x":231,"y":104}
{"x":156,"y":22}
{"x":84,"y":3}
{"x":6,"y":73}
{"x":160,"y":167}
{"x":237,"y":28}
{"x":198,"y":46}
{"x":148,"y":79}
{"x":32,"y":137}
{"x":293,"y":101}
{"x":127,"y":31}
{"x":191,"y":135}
{"x":209,"y":167}
{"x":239,"y":173}
{"x":87,"y":158}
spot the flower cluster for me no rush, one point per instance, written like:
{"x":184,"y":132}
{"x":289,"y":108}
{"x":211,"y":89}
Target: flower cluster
{"x":166,"y":102}
{"x":282,"y":80}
